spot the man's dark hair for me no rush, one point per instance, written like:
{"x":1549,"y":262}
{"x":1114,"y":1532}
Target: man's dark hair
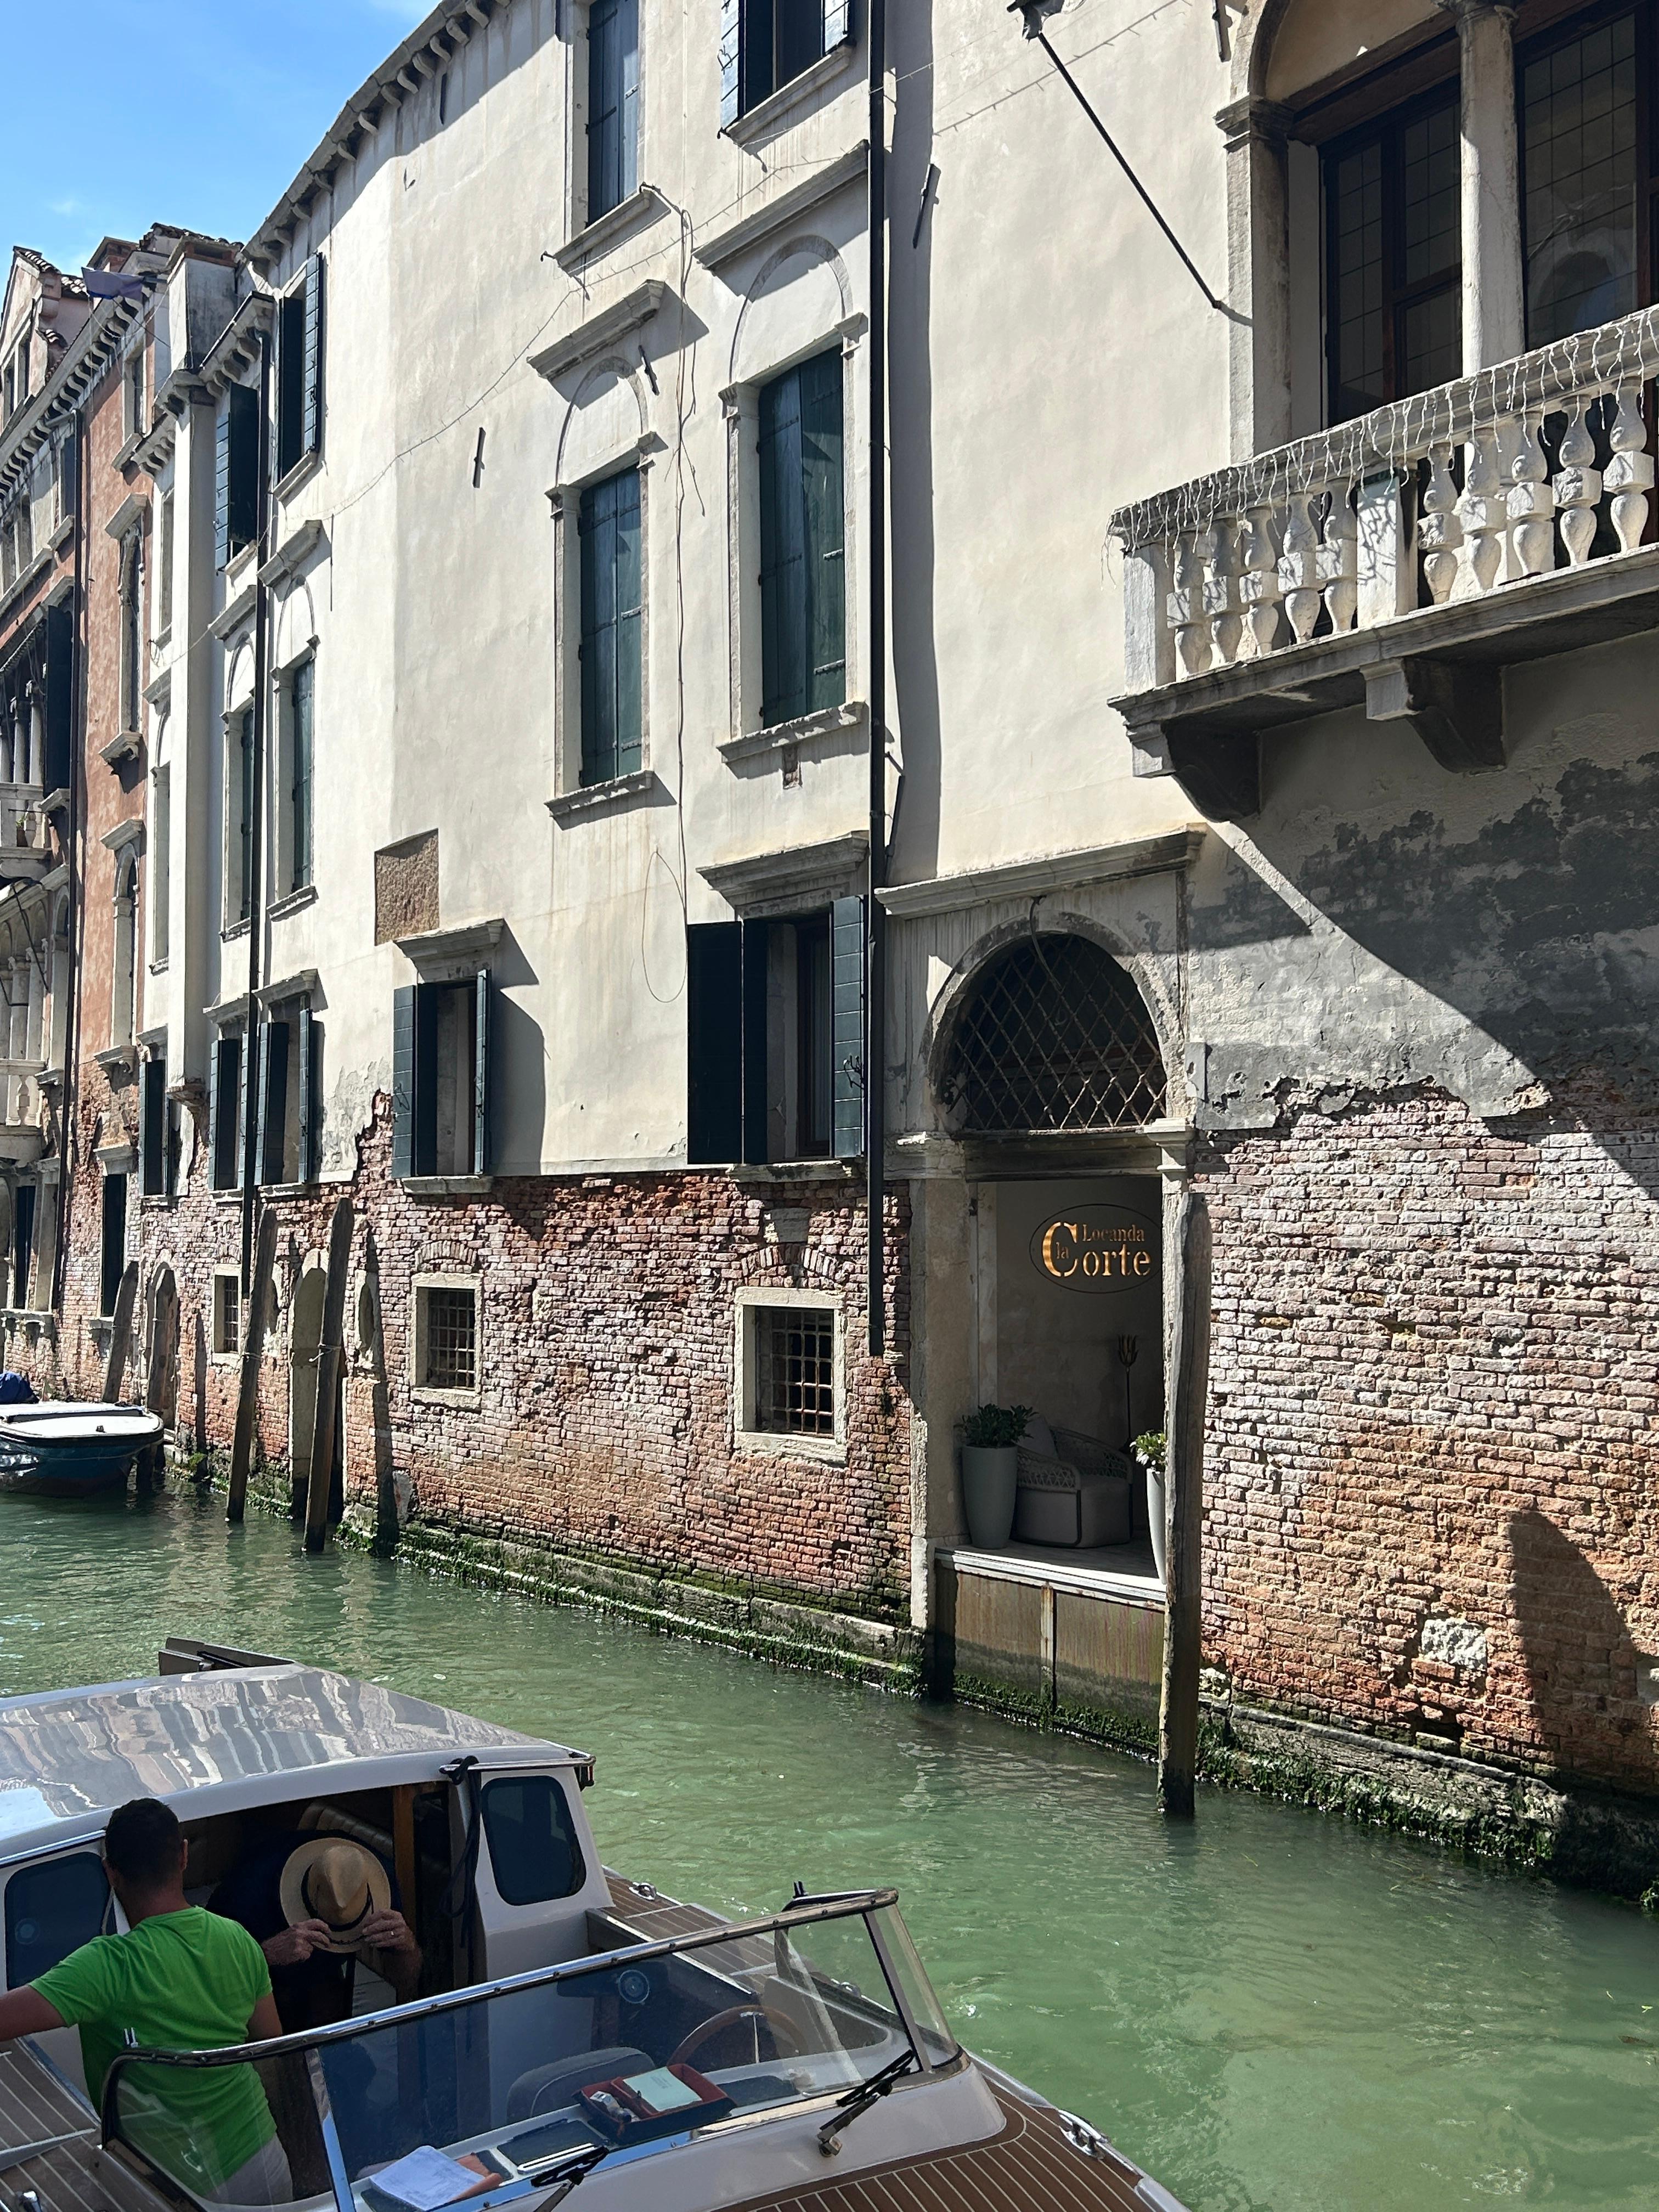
{"x":142,"y":1843}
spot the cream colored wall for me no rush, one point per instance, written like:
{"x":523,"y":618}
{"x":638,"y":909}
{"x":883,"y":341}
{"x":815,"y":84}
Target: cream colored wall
{"x":1318,"y":37}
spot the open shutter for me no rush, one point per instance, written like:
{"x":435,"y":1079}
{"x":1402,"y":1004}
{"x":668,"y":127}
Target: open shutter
{"x":224,"y":1109}
{"x":628,"y":20}
{"x":756,"y":1146}
{"x":481,"y":1079}
{"x":273,"y":1102}
{"x":823,"y":533}
{"x":245,"y":1105}
{"x":60,"y":685}
{"x":783,"y":591}
{"x":714,"y":1120}
{"x":837,"y":23}
{"x":311,"y":404}
{"x":152,"y":1127}
{"x":311,"y":1040}
{"x":848,"y":1053}
{"x":731,"y":60}
{"x":402,"y":1079}
{"x":242,"y":415}
{"x":221,"y":485}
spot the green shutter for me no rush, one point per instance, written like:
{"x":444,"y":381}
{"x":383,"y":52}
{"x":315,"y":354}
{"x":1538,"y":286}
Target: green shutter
{"x":714,"y":1120}
{"x":310,"y":1104}
{"x":823,"y":530}
{"x":613,"y":88}
{"x":311,"y":402}
{"x":221,"y":485}
{"x":481,"y":1131}
{"x":402,"y":1080}
{"x":273,"y":1102}
{"x":848,"y":1056}
{"x":803,"y":542}
{"x":757,"y":1137}
{"x":608,"y":537}
{"x":226,"y":1110}
{"x":241,"y":419}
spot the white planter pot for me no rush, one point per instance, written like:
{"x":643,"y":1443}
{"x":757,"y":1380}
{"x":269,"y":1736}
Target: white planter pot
{"x":1156,"y":1522}
{"x":990,"y":1474}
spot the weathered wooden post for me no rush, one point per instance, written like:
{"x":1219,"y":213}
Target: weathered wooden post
{"x":120,"y":1329}
{"x":1189,"y":1362}
{"x":330,"y":1357}
{"x":254,"y":1347}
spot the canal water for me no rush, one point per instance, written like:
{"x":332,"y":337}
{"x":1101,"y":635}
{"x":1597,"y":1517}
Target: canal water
{"x":1272,"y":2011}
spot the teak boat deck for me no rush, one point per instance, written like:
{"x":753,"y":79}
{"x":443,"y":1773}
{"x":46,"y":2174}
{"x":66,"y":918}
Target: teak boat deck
{"x":35,"y":2106}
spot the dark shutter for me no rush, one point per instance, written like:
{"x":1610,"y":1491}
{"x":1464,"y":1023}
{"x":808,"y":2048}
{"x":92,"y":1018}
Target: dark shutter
{"x":273,"y":1105}
{"x":848,"y":1054}
{"x":823,"y":531}
{"x":730,"y":50}
{"x":152,"y":1125}
{"x":23,"y":1239}
{"x":60,"y":685}
{"x":402,"y":1079}
{"x":310,"y":1104}
{"x":803,"y":542}
{"x":613,"y":86}
{"x":428,"y":999}
{"x":248,"y":1108}
{"x":608,"y":533}
{"x":221,"y":485}
{"x":115,"y":1253}
{"x":714,"y":1117}
{"x":481,"y":1043}
{"x":783,"y":591}
{"x":837,"y":23}
{"x":756,"y":940}
{"x":226,"y":1111}
{"x":311,"y":414}
{"x":242,"y":466}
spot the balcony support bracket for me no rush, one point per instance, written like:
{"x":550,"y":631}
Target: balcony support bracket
{"x":1456,"y":708}
{"x":1219,"y":771}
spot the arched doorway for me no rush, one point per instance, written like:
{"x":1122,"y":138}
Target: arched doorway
{"x":1049,"y":1074}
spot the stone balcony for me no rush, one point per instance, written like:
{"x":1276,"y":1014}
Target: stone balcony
{"x":25,"y":834}
{"x":1396,"y":565}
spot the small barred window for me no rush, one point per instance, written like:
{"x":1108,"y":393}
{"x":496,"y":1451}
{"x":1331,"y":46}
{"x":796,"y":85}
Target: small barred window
{"x":795,"y":1378}
{"x":451,"y":1339}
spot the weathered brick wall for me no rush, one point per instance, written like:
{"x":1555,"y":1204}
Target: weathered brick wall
{"x":605,"y":1357}
{"x":1431,"y":1475}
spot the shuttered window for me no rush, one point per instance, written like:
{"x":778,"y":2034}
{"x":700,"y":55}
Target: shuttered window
{"x":299,"y":368}
{"x":441,"y":1091}
{"x":114,"y":1253}
{"x":236,"y":473}
{"x":765,"y":44}
{"x":299,"y":766}
{"x":613,"y":104}
{"x":608,"y":533}
{"x":225,"y":1112}
{"x":152,"y":1125}
{"x":241,"y":856}
{"x":803,"y":542}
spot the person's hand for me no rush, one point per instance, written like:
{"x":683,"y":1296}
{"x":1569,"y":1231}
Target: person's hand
{"x":293,"y":1946}
{"x":388,"y":1931}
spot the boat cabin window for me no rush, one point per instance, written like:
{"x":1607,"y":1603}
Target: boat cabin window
{"x":532,"y":1846}
{"x":51,"y":1911}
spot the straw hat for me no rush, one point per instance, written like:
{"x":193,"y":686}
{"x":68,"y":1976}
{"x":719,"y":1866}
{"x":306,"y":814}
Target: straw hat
{"x":332,"y":1879}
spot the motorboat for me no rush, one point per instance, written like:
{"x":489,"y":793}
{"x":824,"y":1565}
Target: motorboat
{"x":64,"y":1446}
{"x":574,"y":2028}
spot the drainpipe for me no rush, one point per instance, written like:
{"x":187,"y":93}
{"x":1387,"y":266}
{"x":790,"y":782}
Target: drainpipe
{"x":250,"y":1077}
{"x":73,"y":930}
{"x":875,"y":1000}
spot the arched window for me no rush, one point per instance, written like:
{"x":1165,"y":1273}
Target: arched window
{"x":123,"y":995}
{"x":1052,"y":1035}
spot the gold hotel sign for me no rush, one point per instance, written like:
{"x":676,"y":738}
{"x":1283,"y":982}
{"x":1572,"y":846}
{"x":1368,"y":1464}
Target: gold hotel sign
{"x":1101,"y":1250}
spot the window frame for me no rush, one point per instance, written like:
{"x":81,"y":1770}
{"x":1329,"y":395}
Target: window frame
{"x":297,"y":860}
{"x":132,"y":668}
{"x":109,"y":1286}
{"x":431,"y":1393}
{"x":239,"y":815}
{"x":618,"y":755}
{"x":747,"y":1435}
{"x":225,"y":1295}
{"x":742,"y":89}
{"x":611,"y":194}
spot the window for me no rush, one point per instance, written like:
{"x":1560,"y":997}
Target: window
{"x":788,"y":1376}
{"x":299,"y":368}
{"x":68,"y":456}
{"x":227,"y":1313}
{"x":114,"y":1256}
{"x":608,"y":532}
{"x":25,"y":1200}
{"x":1394,"y":312}
{"x":236,"y":473}
{"x":302,"y":691}
{"x":446,"y":1336}
{"x":803,"y":539}
{"x":775,"y":1015}
{"x":132,"y":630}
{"x":164,"y":575}
{"x":533,"y":1852}
{"x":124,"y":977}
{"x":135,"y":394}
{"x":1587,"y":177}
{"x":240,"y":796}
{"x":764,"y":44}
{"x":1052,"y":1034}
{"x":613,"y":104}
{"x":51,"y":1911}
{"x":290,"y":1096}
{"x":25,"y":522}
{"x":161,"y":846}
{"x":225,"y":1111}
{"x":440,"y":1116}
{"x":153,"y":1106}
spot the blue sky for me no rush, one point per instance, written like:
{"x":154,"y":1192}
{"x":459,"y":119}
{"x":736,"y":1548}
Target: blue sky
{"x":126,"y":112}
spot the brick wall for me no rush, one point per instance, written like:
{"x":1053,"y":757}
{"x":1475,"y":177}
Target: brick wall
{"x":1431,"y":1475}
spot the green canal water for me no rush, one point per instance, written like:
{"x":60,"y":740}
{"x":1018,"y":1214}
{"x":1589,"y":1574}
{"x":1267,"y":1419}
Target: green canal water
{"x":1268,"y":2009}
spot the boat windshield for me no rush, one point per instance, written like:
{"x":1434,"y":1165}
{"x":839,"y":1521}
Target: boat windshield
{"x":492,"y":2092}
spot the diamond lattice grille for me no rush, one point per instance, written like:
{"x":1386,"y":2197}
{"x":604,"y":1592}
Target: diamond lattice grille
{"x":1055,"y":1036}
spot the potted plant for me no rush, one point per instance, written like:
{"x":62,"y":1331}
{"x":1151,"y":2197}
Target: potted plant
{"x":990,"y":1472}
{"x":1150,"y":1451}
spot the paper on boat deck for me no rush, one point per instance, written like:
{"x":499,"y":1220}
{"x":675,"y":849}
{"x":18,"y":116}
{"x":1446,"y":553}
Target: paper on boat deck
{"x":662,"y":2091}
{"x":427,"y":2178}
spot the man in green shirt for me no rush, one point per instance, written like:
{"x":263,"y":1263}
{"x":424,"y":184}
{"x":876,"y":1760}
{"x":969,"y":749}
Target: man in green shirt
{"x":180,"y":1980}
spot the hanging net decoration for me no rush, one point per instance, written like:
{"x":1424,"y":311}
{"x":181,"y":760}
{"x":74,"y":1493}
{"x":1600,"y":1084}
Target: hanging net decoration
{"x":1053,"y":1035}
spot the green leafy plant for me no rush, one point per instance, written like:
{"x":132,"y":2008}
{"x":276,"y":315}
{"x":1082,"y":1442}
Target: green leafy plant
{"x":1150,"y":1450}
{"x":996,"y":1426}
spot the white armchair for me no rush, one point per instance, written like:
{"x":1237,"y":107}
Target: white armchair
{"x":1080,"y":1494}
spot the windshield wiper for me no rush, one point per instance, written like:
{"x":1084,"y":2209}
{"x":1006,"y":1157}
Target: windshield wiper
{"x":572,"y":2171}
{"x":857,"y":2102}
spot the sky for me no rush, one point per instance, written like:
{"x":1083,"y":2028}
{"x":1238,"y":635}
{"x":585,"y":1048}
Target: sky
{"x":196,"y":113}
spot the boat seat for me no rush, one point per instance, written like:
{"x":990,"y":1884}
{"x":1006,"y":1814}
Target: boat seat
{"x":544,"y":2088}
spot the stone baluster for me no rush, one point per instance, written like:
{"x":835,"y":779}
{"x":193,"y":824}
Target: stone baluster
{"x":1187,"y":601}
{"x":1530,"y":504}
{"x":1258,"y":585}
{"x":1440,"y":531}
{"x":1578,"y":487}
{"x":1629,"y":475}
{"x":1483,"y":512}
{"x":1221,"y":597}
{"x":1298,"y":567}
{"x":1339,"y":560}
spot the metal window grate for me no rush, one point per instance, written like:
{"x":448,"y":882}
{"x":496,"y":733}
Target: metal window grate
{"x":797,"y":1370}
{"x":451,"y":1339}
{"x":1055,"y":1035}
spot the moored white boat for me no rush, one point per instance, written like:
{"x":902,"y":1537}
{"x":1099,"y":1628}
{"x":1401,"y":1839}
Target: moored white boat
{"x":66,"y":1447}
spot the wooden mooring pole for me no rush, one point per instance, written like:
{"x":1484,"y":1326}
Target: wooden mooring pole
{"x":1189,"y":1363}
{"x":115,"y":1367}
{"x":253,"y":1346}
{"x":330,"y":1357}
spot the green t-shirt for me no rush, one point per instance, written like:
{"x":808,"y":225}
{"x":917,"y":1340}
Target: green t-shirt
{"x":183,"y":1981}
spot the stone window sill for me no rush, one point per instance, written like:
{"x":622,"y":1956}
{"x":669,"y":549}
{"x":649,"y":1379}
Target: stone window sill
{"x":797,"y":1171}
{"x":597,"y":798}
{"x":783,"y":1444}
{"x":777,"y":110}
{"x":853,"y":717}
{"x":470,"y":1401}
{"x":116,"y":1057}
{"x":126,"y":746}
{"x":429,"y":1187}
{"x":292,"y":902}
{"x":640,"y":207}
{"x":278,"y":1190}
{"x":232,"y":930}
{"x":307,"y":465}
